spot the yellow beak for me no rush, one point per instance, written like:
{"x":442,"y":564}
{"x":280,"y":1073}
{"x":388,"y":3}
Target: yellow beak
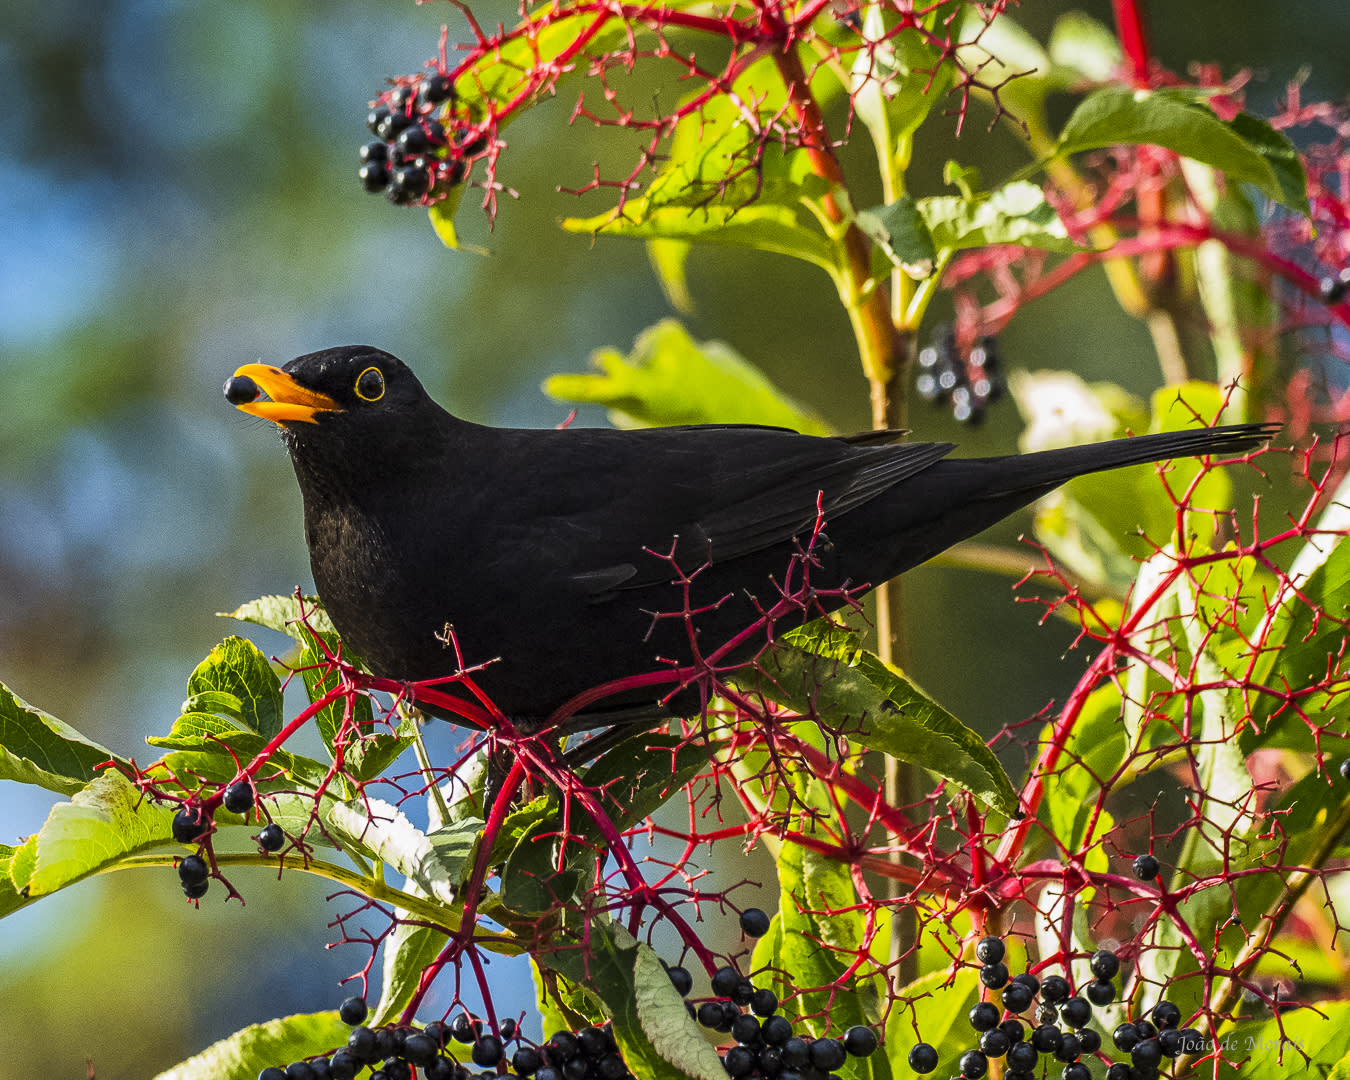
{"x":289,"y":400}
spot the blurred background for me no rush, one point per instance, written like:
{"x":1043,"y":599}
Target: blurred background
{"x":177,"y":197}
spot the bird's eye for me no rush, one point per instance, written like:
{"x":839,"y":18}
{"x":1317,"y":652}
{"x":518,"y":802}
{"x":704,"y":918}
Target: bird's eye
{"x":370,"y":384}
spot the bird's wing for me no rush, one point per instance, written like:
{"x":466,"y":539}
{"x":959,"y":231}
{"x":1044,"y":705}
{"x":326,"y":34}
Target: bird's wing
{"x":763,"y":500}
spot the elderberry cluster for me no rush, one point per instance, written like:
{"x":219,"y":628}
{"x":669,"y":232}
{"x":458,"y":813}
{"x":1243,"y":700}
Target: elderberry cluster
{"x":588,"y":1054}
{"x":968,"y":384}
{"x":192,"y":825}
{"x":1150,"y":1039}
{"x":414,"y":152}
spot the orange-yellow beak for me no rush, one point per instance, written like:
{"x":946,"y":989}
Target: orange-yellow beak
{"x":289,"y":400}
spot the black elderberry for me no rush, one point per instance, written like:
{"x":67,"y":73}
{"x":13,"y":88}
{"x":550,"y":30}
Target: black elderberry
{"x":436,"y":89}
{"x":827,"y":1054}
{"x":966,"y":407}
{"x":710,"y":1014}
{"x":994,"y":1043}
{"x":1075,"y":1012}
{"x":984,"y":1016}
{"x":352,"y":1011}
{"x":1089,"y":1041}
{"x":487,"y":1051}
{"x":1028,"y":980}
{"x":271,"y":838}
{"x":1118,"y":1071}
{"x":397,"y":1069}
{"x":1017,"y":998}
{"x":386,"y":1043}
{"x":1145,"y":1029}
{"x":1147,"y":1054}
{"x":272,"y":1073}
{"x":1166,"y":1015}
{"x":770,"y":1060}
{"x":1126,"y":1038}
{"x":344,"y":1065}
{"x":299,"y":1070}
{"x":193,"y":870}
{"x":725,"y":980}
{"x":562,"y":1046}
{"x":860,"y":1041}
{"x":1022,"y":1056}
{"x":465,"y":1028}
{"x":361,"y":1042}
{"x":994,"y":976}
{"x":443,"y":1069}
{"x":420,"y":137}
{"x":681,"y":980}
{"x":547,"y":1072}
{"x":190,"y":825}
{"x":592,"y":1043}
{"x":776,"y":1030}
{"x":923,"y":1058}
{"x":973,"y":1065}
{"x":1145,"y":867}
{"x":1345,"y":769}
{"x":1104,"y":964}
{"x":754,"y":922}
{"x":729,"y":1013}
{"x":576,"y":1068}
{"x":1054,"y":988}
{"x":374,"y":176}
{"x":1077,"y":1071}
{"x":764,"y":1002}
{"x":375,"y":151}
{"x":400,"y":97}
{"x":796,"y":1052}
{"x":391,"y":124}
{"x":376,"y":118}
{"x":406,"y":183}
{"x":319,"y":1066}
{"x":1169,"y":1039}
{"x":989,"y":950}
{"x":526,"y":1062}
{"x":1070,"y":1048}
{"x":744,"y":992}
{"x":196,"y":890}
{"x":1100,"y":991}
{"x":611,"y":1067}
{"x":1046,"y":1038}
{"x":506,"y":1029}
{"x":738,"y":1061}
{"x":1192,"y":1042}
{"x":745,"y":1029}
{"x":238,"y":797}
{"x":1013,"y":1028}
{"x":239,"y":389}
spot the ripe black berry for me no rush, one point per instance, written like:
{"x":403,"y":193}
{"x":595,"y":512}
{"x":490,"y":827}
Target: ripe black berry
{"x":435,"y":89}
{"x":754,"y":922}
{"x":1075,"y":1012}
{"x":1054,"y":988}
{"x":681,"y":980}
{"x":1046,"y":1038}
{"x":1345,"y":769}
{"x":1077,"y":1071}
{"x":562,"y":1046}
{"x":1104,"y":964}
{"x":923,"y":1058}
{"x":375,"y":151}
{"x":544,"y":1072}
{"x":744,"y":992}
{"x":506,"y":1029}
{"x":860,"y":1041}
{"x":1069,"y":1049}
{"x":1126,"y":1038}
{"x":190,"y":824}
{"x":994,"y":976}
{"x":272,"y":1073}
{"x":1012,"y":1027}
{"x":710,"y":1014}
{"x":1170,"y":1041}
{"x":361,"y":1042}
{"x":420,"y":137}
{"x":406,"y":183}
{"x":1166,"y":1015}
{"x":994,"y":1043}
{"x":196,"y":890}
{"x":526,"y":1062}
{"x":1028,"y":980}
{"x":984,"y":1016}
{"x":576,"y":1068}
{"x":989,"y":950}
{"x":1147,"y":1054}
{"x":442,"y":1069}
{"x":1118,"y":1071}
{"x":724,"y":981}
{"x":745,"y":1029}
{"x":271,"y":838}
{"x":299,"y":1070}
{"x":1100,"y":992}
{"x":352,"y":1011}
{"x":487,"y":1051}
{"x":738,"y":1061}
{"x":973,"y":1065}
{"x":391,"y":124}
{"x":238,"y":797}
{"x":343,"y":1065}
{"x":1145,"y":1029}
{"x":193,"y":870}
{"x":1145,"y":867}
{"x":729,"y":1013}
{"x":776,"y":1030}
{"x":239,"y":390}
{"x":764,"y":1002}
{"x":796,"y":1052}
{"x":611,"y":1067}
{"x":376,"y":118}
{"x":397,"y":1069}
{"x":1022,"y":1056}
{"x":1089,"y":1041}
{"x":828,"y":1054}
{"x":465,"y":1028}
{"x":1017,"y":997}
{"x":387,"y":1042}
{"x":374,"y":176}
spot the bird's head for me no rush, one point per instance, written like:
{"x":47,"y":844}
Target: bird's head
{"x":339,"y":391}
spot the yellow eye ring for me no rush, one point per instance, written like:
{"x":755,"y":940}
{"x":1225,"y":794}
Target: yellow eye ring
{"x":370,"y":384}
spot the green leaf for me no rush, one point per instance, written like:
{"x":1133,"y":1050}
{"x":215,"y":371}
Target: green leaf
{"x":36,"y":748}
{"x":237,"y":667}
{"x":668,"y":258}
{"x":1080,"y":44}
{"x":897,"y":78}
{"x":102,"y":824}
{"x":1016,"y":213}
{"x":407,"y":952}
{"x":1274,"y":1047}
{"x":10,"y":897}
{"x":822,"y":671}
{"x":902,"y":234}
{"x":203,"y":743}
{"x":1246,"y":149}
{"x":276,"y":1043}
{"x":442,"y":216}
{"x":439,"y":863}
{"x":669,"y":378}
{"x":941,"y":1002}
{"x":283,"y":613}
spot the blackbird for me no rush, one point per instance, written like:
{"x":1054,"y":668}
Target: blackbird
{"x":550,"y":552}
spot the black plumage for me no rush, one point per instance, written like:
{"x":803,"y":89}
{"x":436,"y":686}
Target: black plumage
{"x":540,"y":547}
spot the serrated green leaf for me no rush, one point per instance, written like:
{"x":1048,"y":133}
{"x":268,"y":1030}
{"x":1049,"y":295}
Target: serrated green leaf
{"x":669,"y":378}
{"x":108,"y":820}
{"x":822,"y":671}
{"x":237,"y":667}
{"x":1016,"y":213}
{"x":902,"y":234}
{"x":37,"y":748}
{"x":283,"y":613}
{"x":439,"y":866}
{"x":246,"y":1053}
{"x":1246,"y":149}
{"x":213,"y":748}
{"x":1275,"y":1047}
